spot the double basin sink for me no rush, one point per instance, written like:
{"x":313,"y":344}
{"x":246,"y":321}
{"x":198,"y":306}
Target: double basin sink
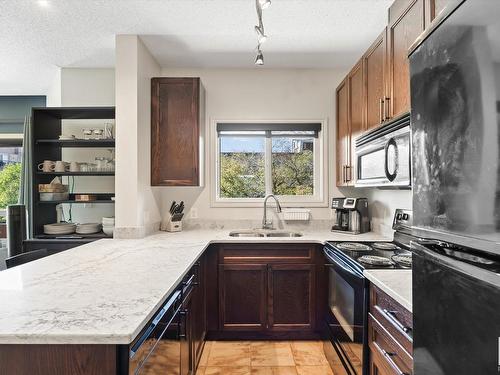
{"x":264,"y":233}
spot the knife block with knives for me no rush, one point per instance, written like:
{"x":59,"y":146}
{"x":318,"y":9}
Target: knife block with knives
{"x":173,"y":221}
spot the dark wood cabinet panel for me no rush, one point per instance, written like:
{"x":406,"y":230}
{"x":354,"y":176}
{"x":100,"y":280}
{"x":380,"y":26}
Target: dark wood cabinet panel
{"x":389,"y":335}
{"x":406,"y":23}
{"x":291,"y":296}
{"x":176,"y":120}
{"x":58,"y":359}
{"x":265,"y":253}
{"x":243,"y":296}
{"x":374,"y":76}
{"x":387,"y":354}
{"x":343,"y":132}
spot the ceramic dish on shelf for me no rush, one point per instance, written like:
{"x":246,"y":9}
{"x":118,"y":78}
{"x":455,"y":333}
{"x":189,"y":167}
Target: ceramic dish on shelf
{"x":108,"y":230}
{"x":59,"y":228}
{"x":48,"y":197}
{"x":88,"y":228}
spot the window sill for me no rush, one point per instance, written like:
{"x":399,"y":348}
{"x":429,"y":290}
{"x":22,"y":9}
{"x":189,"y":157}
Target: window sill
{"x":259,"y":203}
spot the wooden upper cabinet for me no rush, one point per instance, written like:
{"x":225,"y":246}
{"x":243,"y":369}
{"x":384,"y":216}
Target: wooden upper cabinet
{"x":374,"y":76}
{"x":343,"y":131}
{"x":406,"y":23}
{"x":356,"y":115}
{"x":177,"y":116}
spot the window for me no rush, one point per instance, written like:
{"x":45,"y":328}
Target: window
{"x":256,"y":159}
{"x":10,"y":170}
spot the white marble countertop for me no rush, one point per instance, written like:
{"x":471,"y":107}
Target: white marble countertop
{"x":106,"y":291}
{"x":395,"y":283}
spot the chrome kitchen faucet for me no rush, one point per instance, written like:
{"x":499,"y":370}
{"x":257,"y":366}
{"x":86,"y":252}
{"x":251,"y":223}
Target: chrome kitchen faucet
{"x":265,"y":223}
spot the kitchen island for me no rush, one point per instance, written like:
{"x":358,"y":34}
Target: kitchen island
{"x":102,"y":294}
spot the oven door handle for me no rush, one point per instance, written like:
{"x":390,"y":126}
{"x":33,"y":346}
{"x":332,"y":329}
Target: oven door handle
{"x":336,"y":261}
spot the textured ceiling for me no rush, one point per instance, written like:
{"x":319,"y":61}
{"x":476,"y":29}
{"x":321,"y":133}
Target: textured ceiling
{"x":38,"y":35}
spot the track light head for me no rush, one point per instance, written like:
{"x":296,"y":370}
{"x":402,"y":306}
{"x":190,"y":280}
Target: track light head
{"x":264,"y":3}
{"x":259,"y":60}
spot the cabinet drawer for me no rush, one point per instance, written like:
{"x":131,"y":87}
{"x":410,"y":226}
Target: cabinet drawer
{"x":266,"y":253}
{"x":386,"y":352}
{"x":395,"y":318}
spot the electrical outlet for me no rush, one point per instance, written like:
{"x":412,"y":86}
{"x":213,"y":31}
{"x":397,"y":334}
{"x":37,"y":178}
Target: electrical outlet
{"x":194,"y":213}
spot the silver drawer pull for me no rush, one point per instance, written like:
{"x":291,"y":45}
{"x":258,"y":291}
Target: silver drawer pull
{"x":388,"y":356}
{"x":390,"y":315}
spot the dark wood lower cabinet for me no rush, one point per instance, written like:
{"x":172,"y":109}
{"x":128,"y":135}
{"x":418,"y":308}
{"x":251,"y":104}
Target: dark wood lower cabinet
{"x":390,"y":341}
{"x":242,"y":297}
{"x":291,"y":296}
{"x":265,"y":291}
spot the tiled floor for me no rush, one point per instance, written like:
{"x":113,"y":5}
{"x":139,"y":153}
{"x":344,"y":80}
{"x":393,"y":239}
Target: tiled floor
{"x":263,"y":358}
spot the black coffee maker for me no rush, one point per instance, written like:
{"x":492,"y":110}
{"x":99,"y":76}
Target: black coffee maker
{"x":350,"y":215}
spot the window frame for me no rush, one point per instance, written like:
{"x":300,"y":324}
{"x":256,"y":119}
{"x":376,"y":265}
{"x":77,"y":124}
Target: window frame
{"x":319,"y":199}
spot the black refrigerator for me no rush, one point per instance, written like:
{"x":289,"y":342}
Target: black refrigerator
{"x":455,"y":121}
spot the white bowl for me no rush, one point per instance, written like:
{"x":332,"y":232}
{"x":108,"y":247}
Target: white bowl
{"x":108,"y":230}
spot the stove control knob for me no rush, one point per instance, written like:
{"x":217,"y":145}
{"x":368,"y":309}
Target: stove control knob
{"x":399,"y":216}
{"x":406,"y":216}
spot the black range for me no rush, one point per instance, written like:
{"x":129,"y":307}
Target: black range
{"x":348,"y":291}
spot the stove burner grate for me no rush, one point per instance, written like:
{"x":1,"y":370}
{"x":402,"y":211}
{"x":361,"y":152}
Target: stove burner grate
{"x":353,"y":246}
{"x":374,"y":260}
{"x":385,"y":246}
{"x":404,"y":260}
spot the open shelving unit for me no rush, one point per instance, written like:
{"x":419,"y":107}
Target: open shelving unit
{"x":47,"y":125}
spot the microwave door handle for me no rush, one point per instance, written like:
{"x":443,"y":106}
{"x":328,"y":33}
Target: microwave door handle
{"x":390,"y":176}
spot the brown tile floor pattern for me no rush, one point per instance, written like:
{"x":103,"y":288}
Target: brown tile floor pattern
{"x":263,"y":358}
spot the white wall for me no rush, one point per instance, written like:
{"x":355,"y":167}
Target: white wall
{"x":137,"y":208}
{"x":383,"y":203}
{"x":259,"y":94}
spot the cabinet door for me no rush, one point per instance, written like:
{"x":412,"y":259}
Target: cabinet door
{"x":356,"y":116}
{"x":374,"y":76}
{"x":343,"y":131}
{"x":291,"y":297}
{"x":242,"y":297}
{"x":175,"y":131}
{"x":406,"y":23}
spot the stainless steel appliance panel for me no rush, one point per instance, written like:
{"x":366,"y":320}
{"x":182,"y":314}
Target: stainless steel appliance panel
{"x":455,"y":122}
{"x":383,"y":156}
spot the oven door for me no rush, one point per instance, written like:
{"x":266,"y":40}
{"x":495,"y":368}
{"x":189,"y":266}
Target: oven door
{"x":347,"y":309}
{"x":384,"y":160}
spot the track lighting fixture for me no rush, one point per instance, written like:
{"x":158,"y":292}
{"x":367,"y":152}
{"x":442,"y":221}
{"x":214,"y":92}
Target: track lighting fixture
{"x":259,"y":29}
{"x":259,"y":60}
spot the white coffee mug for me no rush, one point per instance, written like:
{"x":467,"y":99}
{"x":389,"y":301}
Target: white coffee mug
{"x":74,"y":166}
{"x":46,"y":166}
{"x":61,"y":166}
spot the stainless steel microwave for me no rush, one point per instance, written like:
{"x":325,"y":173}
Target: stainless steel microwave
{"x":383,"y":155}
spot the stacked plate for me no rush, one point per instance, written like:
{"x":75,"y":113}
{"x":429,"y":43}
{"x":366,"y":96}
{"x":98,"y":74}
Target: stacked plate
{"x":88,"y":228}
{"x":59,"y":228}
{"x":108,"y":225}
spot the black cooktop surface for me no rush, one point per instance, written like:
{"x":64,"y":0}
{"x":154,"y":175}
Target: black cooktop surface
{"x":375,"y":255}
